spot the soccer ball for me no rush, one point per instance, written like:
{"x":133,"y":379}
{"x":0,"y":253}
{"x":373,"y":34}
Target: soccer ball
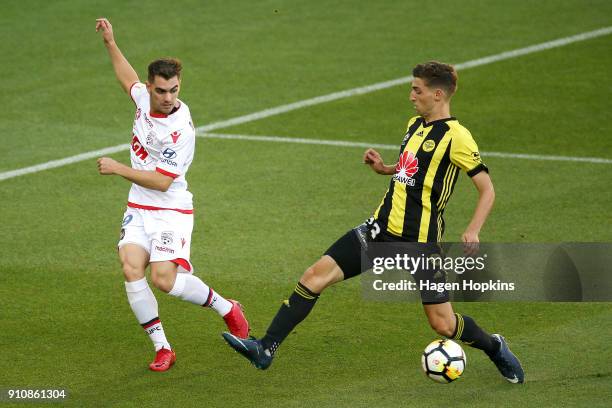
{"x":443,"y":361}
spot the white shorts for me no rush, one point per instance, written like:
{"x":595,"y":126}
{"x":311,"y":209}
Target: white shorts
{"x":164,"y":234}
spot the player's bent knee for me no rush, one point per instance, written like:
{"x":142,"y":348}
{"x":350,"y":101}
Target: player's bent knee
{"x":132,"y":273}
{"x":163,"y":276}
{"x":162,"y":281}
{"x":312,"y":280}
{"x":322,"y":274}
{"x":442,"y":327}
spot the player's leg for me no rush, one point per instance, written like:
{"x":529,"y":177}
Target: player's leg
{"x":172,"y":272}
{"x":461,"y":327}
{"x":341,"y":261}
{"x":322,"y":274}
{"x":187,"y":287}
{"x":134,"y":246}
{"x":192,"y":289}
{"x":293,"y":311}
{"x":163,"y":274}
{"x":134,"y":260}
{"x":441,"y":318}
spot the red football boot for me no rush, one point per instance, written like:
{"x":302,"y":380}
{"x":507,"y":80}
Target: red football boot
{"x":163,"y":360}
{"x":236,"y":322}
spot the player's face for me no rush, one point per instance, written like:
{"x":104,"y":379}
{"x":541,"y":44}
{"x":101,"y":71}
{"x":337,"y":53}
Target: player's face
{"x":422,"y":97}
{"x":163,"y":94}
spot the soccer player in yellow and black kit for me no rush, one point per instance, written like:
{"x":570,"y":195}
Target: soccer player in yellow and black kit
{"x":433,"y":151}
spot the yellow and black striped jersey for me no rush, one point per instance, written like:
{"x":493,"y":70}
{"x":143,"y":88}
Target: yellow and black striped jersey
{"x":425,"y":176}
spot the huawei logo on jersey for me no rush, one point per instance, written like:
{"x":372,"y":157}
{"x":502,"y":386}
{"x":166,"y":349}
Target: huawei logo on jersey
{"x":138,"y":148}
{"x":407,"y":166}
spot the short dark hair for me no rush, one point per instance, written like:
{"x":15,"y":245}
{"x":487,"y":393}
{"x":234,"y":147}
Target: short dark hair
{"x":166,"y":68}
{"x":437,"y":74}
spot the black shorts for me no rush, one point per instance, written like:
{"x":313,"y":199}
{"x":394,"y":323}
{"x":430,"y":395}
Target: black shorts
{"x":351,"y":254}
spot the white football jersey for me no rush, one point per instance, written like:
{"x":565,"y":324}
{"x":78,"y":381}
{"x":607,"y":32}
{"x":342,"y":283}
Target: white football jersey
{"x":162,"y":143}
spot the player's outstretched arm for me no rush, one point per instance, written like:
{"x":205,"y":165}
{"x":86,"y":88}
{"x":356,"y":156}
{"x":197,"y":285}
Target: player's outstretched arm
{"x":484,"y":185}
{"x":372,"y":158}
{"x":123,"y":70}
{"x":144,"y":178}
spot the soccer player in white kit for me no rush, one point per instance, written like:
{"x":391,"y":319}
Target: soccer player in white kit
{"x":157,"y":224}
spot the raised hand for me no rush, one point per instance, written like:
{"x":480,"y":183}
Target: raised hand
{"x":107,"y":29}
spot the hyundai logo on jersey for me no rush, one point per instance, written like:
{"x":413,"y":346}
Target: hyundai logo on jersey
{"x":169,"y":153}
{"x":127,"y":220}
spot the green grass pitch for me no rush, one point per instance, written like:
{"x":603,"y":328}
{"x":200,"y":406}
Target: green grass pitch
{"x":266,"y":211}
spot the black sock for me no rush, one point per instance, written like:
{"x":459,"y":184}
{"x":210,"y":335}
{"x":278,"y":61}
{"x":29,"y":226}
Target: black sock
{"x":471,"y":334}
{"x":290,"y":314}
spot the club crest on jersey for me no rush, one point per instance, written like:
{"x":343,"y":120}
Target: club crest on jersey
{"x":429,"y":145}
{"x":407,"y":166}
{"x":167,"y":237}
{"x":175,"y":135}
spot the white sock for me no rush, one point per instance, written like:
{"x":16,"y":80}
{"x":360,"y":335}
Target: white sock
{"x":144,"y":306}
{"x":191,"y":289}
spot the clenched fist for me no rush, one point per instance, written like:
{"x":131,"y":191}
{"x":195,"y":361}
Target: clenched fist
{"x":107,"y":166}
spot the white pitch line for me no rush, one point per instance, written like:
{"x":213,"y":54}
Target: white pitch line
{"x":560,"y":42}
{"x":282,"y":139}
{"x":63,"y":162}
{"x":596,"y":160}
{"x":319,"y":100}
{"x":345,"y":143}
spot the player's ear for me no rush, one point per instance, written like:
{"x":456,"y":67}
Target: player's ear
{"x":440,"y":94}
